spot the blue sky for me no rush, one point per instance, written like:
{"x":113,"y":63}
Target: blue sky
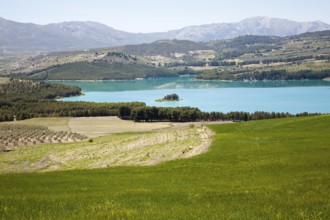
{"x":154,"y":15}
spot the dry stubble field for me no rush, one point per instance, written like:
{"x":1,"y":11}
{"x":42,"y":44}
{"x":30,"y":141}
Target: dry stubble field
{"x":109,"y":142}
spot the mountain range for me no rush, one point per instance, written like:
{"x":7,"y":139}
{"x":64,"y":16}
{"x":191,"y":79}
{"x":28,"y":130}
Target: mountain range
{"x":18,"y":37}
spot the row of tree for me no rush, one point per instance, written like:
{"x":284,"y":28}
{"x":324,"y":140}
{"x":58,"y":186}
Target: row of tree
{"x":188,"y":114}
{"x":248,"y":62}
{"x":274,"y":74}
{"x":51,"y":108}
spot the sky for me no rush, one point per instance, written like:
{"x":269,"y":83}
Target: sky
{"x":160,"y":15}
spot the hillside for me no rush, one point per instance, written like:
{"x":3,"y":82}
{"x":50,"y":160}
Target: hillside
{"x":269,"y":169}
{"x":143,"y":147}
{"x":27,"y":38}
{"x":162,"y":48}
{"x":250,"y":57}
{"x":304,"y":56}
{"x":86,"y":65}
{"x":98,"y":70}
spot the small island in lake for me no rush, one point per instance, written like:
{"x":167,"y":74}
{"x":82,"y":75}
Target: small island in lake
{"x":169,"y":98}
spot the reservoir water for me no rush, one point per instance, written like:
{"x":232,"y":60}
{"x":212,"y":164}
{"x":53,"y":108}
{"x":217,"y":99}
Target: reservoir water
{"x":311,"y":96}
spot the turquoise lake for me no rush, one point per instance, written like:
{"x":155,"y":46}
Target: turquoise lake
{"x":311,"y":96}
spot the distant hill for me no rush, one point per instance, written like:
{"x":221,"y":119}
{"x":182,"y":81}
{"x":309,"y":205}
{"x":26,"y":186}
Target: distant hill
{"x":162,"y":47}
{"x":21,"y":37}
{"x":251,"y":26}
{"x":26,"y":37}
{"x":304,"y":56}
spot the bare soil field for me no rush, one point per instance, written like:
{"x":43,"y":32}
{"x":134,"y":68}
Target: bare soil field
{"x":55,"y":124}
{"x":94,"y":126}
{"x":99,"y":126}
{"x":4,"y":80}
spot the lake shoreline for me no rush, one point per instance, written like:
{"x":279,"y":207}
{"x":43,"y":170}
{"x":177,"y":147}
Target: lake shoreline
{"x":281,"y":96}
{"x":183,"y":76}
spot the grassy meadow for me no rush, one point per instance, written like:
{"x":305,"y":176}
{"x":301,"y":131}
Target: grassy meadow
{"x":269,"y":169}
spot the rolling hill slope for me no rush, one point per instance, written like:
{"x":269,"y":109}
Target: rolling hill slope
{"x":269,"y":169}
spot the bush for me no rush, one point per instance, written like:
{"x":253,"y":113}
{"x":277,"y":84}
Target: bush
{"x":171,"y":97}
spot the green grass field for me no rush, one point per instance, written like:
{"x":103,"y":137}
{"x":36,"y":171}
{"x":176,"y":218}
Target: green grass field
{"x":270,"y":169}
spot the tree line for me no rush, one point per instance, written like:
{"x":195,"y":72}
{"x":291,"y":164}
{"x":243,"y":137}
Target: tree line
{"x":189,"y":114}
{"x":274,"y":74}
{"x":52,"y":108}
{"x":135,"y":111}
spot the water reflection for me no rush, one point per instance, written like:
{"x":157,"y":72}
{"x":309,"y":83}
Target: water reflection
{"x":186,"y":82}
